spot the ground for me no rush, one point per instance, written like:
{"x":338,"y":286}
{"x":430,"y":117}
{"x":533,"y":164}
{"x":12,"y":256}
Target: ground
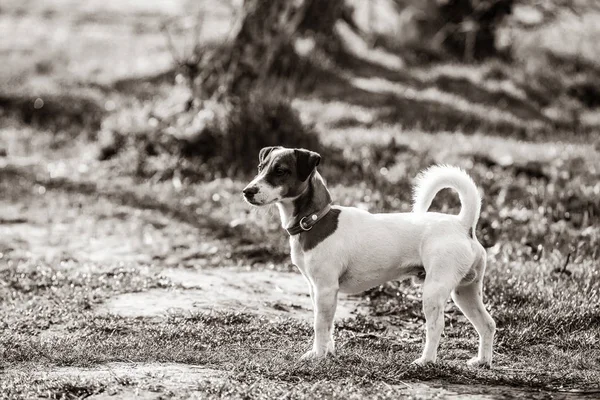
{"x":116,"y":284}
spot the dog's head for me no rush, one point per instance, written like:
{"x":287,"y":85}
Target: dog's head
{"x":283,"y":174}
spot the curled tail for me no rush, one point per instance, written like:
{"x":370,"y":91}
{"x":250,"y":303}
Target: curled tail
{"x":439,"y":177}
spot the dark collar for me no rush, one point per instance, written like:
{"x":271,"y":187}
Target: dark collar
{"x":308,"y":221}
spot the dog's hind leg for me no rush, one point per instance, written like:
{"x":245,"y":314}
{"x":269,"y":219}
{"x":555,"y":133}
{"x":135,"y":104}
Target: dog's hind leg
{"x":436,"y":291}
{"x":445,"y":269}
{"x":468,"y":298}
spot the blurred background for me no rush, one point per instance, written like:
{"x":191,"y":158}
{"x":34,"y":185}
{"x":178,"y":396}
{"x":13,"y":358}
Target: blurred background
{"x":179,"y":95}
{"x":128,"y":129}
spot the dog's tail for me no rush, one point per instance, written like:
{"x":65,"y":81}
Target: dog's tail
{"x":439,"y":177}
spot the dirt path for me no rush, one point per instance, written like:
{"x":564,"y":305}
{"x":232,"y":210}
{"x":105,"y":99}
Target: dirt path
{"x":147,"y":380}
{"x":96,"y":231}
{"x":269,"y":293}
{"x":122,"y":380}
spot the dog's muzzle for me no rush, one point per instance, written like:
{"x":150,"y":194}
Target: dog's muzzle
{"x":249,"y":192}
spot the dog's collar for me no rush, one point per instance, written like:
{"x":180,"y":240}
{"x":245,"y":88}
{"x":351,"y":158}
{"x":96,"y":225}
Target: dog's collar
{"x":307,"y":222}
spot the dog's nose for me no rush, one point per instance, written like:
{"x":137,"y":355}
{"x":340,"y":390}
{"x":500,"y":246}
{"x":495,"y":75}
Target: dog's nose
{"x":250,"y":191}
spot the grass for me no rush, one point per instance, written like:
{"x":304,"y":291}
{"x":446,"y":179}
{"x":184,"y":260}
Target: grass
{"x":76,"y":231}
{"x":533,"y":326}
{"x":547,"y":319}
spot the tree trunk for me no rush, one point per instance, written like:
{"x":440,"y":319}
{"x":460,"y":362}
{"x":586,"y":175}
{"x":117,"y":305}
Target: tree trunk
{"x":471,"y":26}
{"x":263,"y":46}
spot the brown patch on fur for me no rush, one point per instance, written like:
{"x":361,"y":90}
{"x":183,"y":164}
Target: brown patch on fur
{"x":306,"y":162}
{"x":281,"y":171}
{"x":315,"y":197}
{"x":288,"y":169}
{"x":322,"y":229}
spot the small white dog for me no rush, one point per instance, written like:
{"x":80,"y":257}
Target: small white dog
{"x":348,"y":250}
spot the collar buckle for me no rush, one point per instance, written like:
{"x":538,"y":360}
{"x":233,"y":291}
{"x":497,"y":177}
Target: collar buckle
{"x":302,"y":226}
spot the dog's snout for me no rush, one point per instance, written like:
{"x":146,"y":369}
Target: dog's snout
{"x":250,"y":191}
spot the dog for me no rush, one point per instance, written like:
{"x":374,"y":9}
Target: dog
{"x":349,"y":250}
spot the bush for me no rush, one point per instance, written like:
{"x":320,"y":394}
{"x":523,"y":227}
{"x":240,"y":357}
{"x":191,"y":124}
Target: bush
{"x":223,"y":138}
{"x":230,"y":140}
{"x":54,"y":112}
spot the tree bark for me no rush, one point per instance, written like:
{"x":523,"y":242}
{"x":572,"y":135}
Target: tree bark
{"x":263,"y":45}
{"x":471,"y":26}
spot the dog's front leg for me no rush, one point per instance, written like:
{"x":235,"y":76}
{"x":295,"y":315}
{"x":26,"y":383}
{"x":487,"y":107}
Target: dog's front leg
{"x":325,"y":302}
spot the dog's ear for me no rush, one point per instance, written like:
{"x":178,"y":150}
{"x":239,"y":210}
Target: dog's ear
{"x":265,"y":151}
{"x":306,"y":162}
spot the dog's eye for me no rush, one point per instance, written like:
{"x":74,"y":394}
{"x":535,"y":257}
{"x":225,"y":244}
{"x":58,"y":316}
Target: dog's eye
{"x":279,"y":171}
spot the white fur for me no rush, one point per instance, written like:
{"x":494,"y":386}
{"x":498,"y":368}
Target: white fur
{"x":439,"y":177}
{"x":368,"y":249}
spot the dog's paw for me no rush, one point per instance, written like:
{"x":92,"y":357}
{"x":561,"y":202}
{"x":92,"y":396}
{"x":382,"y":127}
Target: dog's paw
{"x":476,"y":362}
{"x":312,"y":355}
{"x":421,"y":362}
{"x":318,"y":354}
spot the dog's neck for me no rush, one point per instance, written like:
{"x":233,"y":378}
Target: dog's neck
{"x":313,"y":198}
